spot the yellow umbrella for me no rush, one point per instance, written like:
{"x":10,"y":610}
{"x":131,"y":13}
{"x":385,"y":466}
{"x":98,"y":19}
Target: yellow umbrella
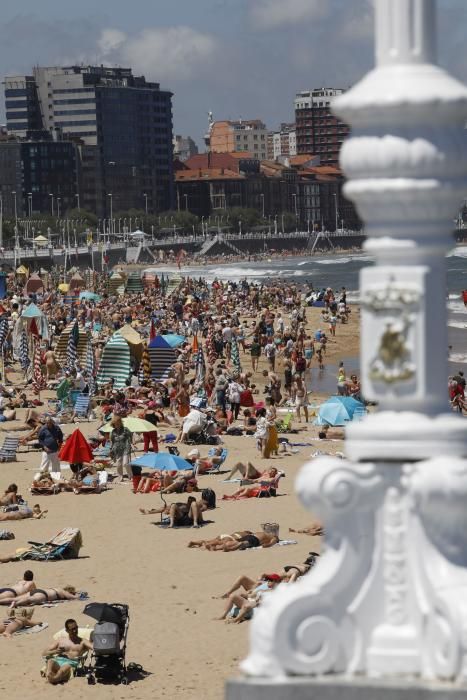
{"x":64,"y":287}
{"x":134,"y":425}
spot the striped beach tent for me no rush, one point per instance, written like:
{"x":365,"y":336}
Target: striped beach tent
{"x":162,"y":357}
{"x":61,"y":351}
{"x":116,"y":284}
{"x":115,"y":362}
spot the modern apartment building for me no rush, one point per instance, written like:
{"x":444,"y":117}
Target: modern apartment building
{"x":39,"y":176}
{"x":242,"y":135}
{"x":184,"y":147}
{"x":282,"y":142}
{"x":318,"y":131}
{"x":121,"y":122}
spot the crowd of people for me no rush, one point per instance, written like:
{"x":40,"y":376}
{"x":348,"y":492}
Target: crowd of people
{"x":258,"y":355}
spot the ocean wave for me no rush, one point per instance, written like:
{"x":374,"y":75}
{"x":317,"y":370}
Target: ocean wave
{"x":457,"y":357}
{"x":344,"y":259}
{"x":457,"y":324}
{"x":457,"y":306}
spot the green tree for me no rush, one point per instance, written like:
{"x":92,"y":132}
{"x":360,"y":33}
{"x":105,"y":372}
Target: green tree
{"x":249,"y":218}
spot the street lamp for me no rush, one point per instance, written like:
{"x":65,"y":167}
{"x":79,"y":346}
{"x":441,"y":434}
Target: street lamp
{"x":51,"y":203}
{"x":58,"y":207}
{"x":30,"y":204}
{"x":262,"y":200}
{"x":336,"y":211}
{"x":111,"y":212}
{"x":77,"y":200}
{"x":146,"y":203}
{"x":186,"y":202}
{"x":275,"y":224}
{"x":16,"y":221}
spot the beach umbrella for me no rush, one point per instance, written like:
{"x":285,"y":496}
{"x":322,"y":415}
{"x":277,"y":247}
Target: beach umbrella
{"x":145,"y":366}
{"x":134,"y":425}
{"x":162,"y":461}
{"x":235,"y":355}
{"x":89,"y":296}
{"x":210,"y":347}
{"x":23,"y":352}
{"x":76,"y":449}
{"x":174,"y":340}
{"x":63,"y":287}
{"x":339,"y":410}
{"x":38,"y":379}
{"x":103,"y":612}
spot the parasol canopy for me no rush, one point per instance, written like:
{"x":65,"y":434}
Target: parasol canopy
{"x":163,"y":461}
{"x":134,"y":425}
{"x":76,"y":449}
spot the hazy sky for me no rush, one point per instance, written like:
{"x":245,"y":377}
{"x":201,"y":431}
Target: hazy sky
{"x":238,"y":58}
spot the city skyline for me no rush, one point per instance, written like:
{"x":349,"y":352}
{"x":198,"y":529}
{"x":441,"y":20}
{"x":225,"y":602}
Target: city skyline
{"x":237,"y":58}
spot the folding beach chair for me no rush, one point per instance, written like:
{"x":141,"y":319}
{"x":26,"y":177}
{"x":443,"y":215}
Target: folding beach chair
{"x":65,"y":545}
{"x":9,"y":449}
{"x":81,"y":409}
{"x":267,"y":490}
{"x":212,"y":453}
{"x":283,"y":426}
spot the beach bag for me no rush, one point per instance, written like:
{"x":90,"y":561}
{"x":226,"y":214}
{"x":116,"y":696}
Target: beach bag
{"x":106,"y":638}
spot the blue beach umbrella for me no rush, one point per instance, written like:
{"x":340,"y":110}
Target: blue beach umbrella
{"x":163,"y":461}
{"x":174,"y":340}
{"x":339,"y":410}
{"x":89,"y":296}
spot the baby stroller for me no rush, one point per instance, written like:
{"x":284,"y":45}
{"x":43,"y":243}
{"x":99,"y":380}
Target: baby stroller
{"x":108,"y":664}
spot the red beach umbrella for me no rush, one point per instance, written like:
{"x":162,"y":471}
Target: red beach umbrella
{"x":76,"y":449}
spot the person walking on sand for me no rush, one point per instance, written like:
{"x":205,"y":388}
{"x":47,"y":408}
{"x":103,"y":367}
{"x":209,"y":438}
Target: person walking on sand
{"x":120,"y":448}
{"x":50,"y":438}
{"x":301,"y":398}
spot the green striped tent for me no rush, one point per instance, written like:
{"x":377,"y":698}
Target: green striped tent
{"x":115,"y":362}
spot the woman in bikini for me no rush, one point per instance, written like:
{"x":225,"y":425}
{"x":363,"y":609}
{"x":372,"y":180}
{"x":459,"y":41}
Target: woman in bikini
{"x":14,"y":623}
{"x":41,"y":596}
{"x":11,"y":496}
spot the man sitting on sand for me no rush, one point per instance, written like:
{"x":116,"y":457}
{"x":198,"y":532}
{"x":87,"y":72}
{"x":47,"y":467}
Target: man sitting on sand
{"x":65,"y":654}
{"x":26,"y":585}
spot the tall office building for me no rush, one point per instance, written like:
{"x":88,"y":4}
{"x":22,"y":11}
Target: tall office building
{"x":282,"y":142}
{"x":318,"y":131}
{"x":121,"y":122}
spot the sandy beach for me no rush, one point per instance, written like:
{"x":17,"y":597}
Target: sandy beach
{"x":171,"y":590}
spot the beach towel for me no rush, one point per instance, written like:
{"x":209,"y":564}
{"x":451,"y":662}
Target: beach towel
{"x":40,"y":627}
{"x":281,"y":543}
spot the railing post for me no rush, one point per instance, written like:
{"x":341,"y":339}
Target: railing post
{"x":387,"y":598}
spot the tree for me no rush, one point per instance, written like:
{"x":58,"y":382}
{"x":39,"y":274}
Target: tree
{"x":87,"y":216}
{"x":248,"y":216}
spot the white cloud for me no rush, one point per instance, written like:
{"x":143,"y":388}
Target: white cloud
{"x":269,"y":14}
{"x":110,"y":40}
{"x":171,"y":53}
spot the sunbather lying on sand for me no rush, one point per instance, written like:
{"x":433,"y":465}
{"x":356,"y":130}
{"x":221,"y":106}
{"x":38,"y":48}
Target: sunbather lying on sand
{"x":23,"y":513}
{"x":239,"y":540}
{"x":250,"y":598}
{"x":246,"y":471}
{"x":15,"y":622}
{"x":26,"y":585}
{"x":189,"y":514}
{"x":252,"y":491}
{"x":41,"y":596}
{"x":313,"y":529}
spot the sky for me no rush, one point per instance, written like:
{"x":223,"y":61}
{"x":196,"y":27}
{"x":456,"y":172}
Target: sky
{"x":236,"y":58}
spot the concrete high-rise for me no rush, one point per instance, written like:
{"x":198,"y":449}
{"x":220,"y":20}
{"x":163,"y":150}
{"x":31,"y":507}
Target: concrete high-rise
{"x":121,"y":122}
{"x":318,"y":131}
{"x":248,"y":135}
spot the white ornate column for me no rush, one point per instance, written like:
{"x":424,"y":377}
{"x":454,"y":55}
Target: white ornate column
{"x":388,"y":597}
